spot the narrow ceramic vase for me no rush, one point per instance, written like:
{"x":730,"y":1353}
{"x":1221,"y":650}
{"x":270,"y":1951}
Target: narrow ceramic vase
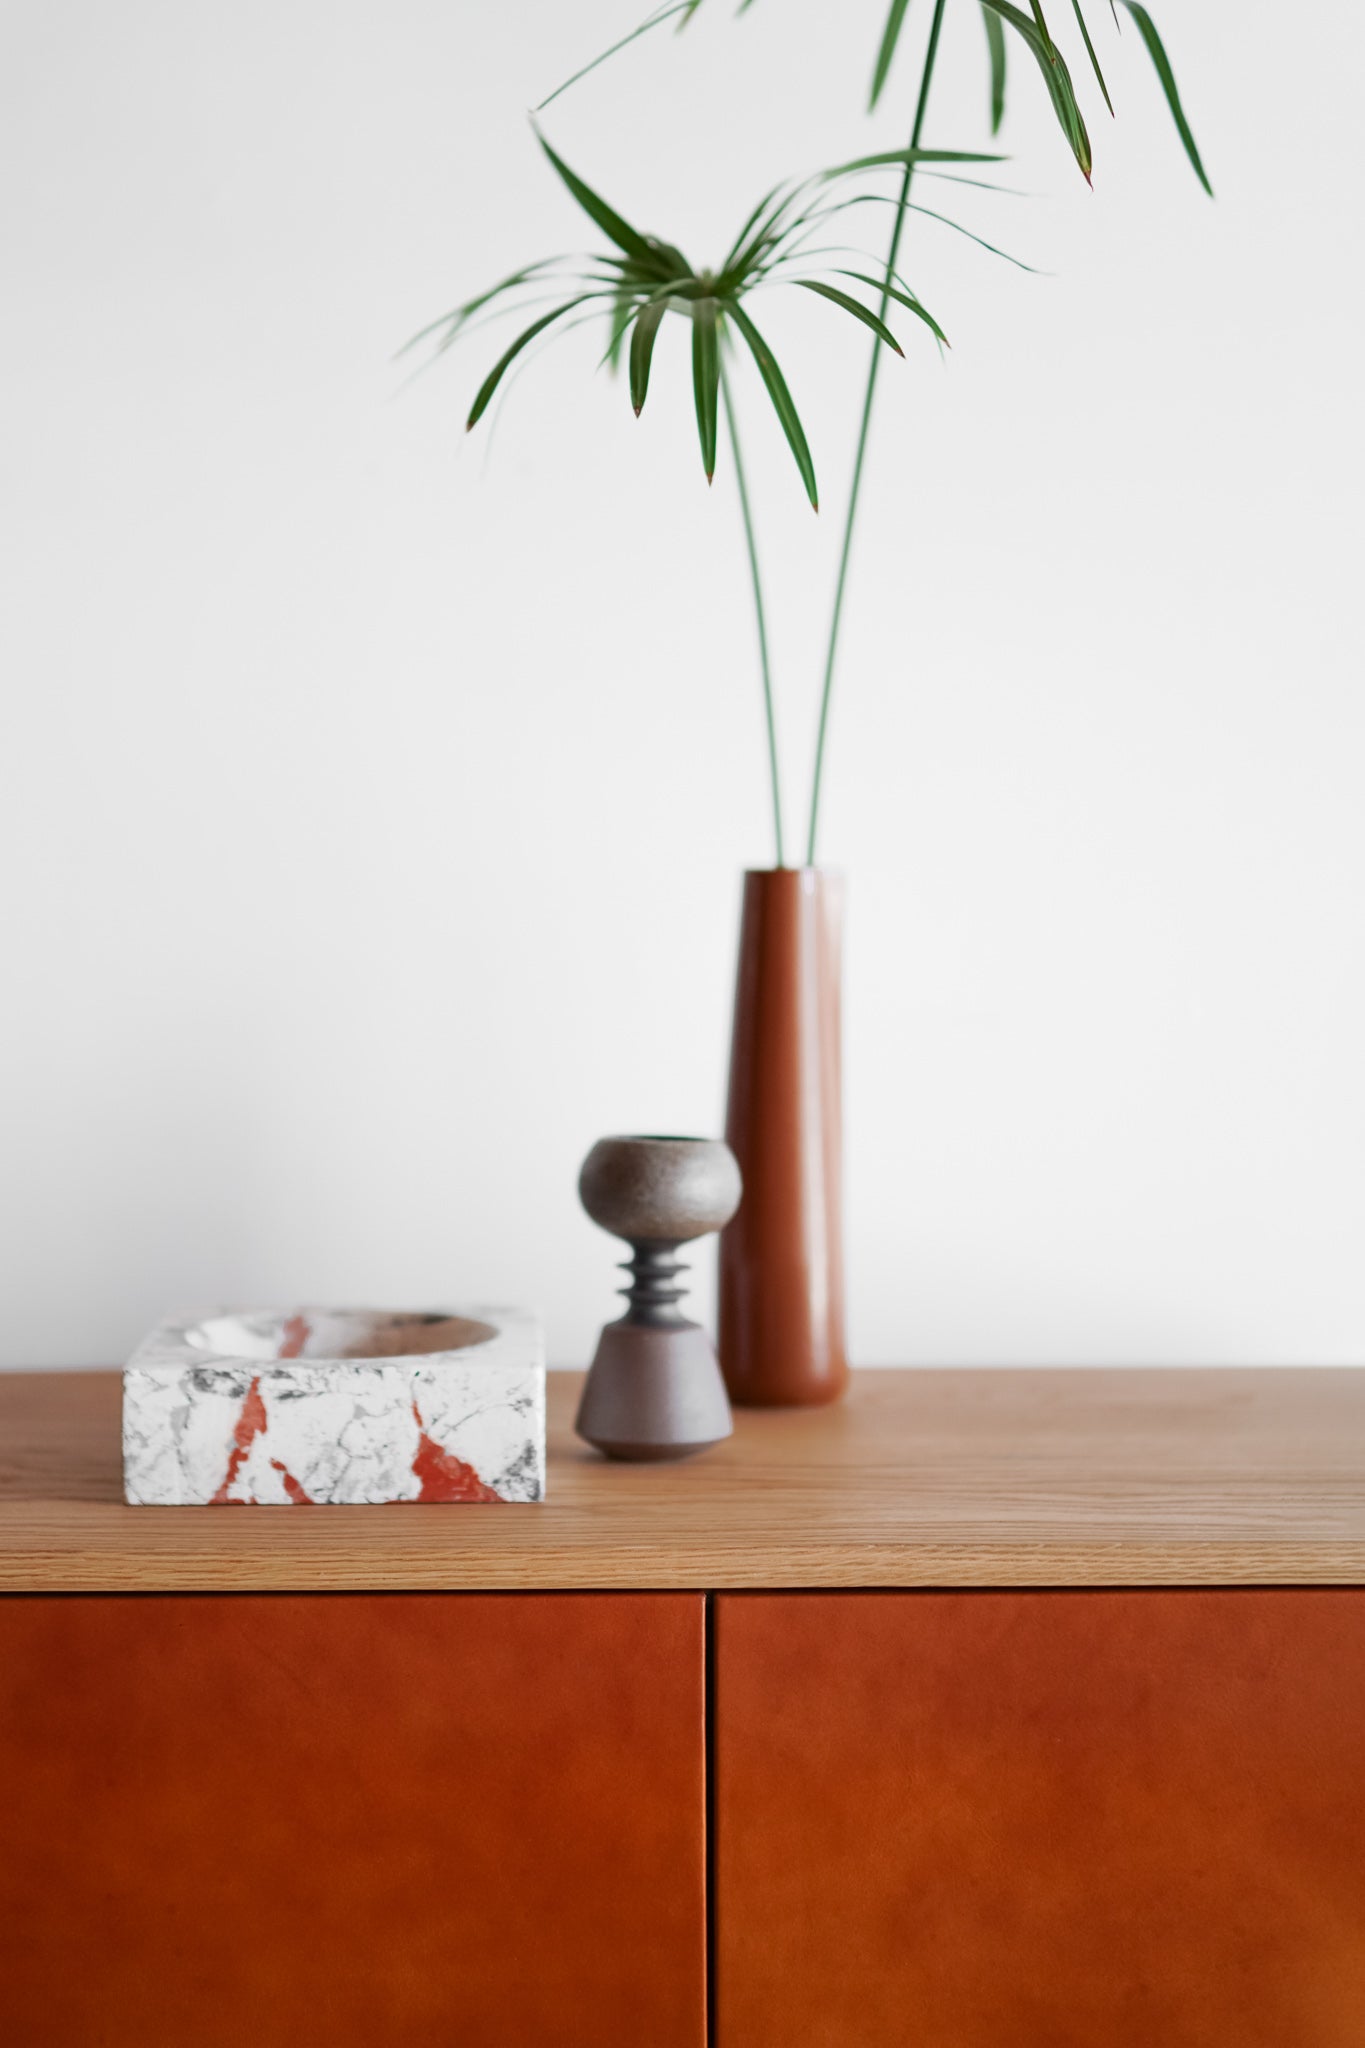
{"x":781,"y":1259}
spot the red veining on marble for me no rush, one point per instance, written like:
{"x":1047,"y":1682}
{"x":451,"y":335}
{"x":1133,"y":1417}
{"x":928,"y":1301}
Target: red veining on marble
{"x":249,"y":1425}
{"x":443,"y":1475}
{"x":292,"y":1487}
{"x":296,"y":1335}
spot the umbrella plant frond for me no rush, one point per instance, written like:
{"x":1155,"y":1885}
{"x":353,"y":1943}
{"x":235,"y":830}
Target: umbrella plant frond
{"x":648,"y":320}
{"x":1090,"y":53}
{"x":898,"y":159}
{"x":1056,"y":77}
{"x":904,"y":298}
{"x":706,"y":378}
{"x":636,"y":246}
{"x":638,"y":279}
{"x":1157,"y":52}
{"x":776,"y":385}
{"x":977,"y":184}
{"x":853,"y":306}
{"x":1032,"y":28}
{"x":895,"y":21}
{"x":685,"y":8}
{"x":783,"y":234}
{"x":509,"y":355}
{"x":883,"y":199}
{"x":995,"y":47}
{"x":947,"y":221}
{"x":455,"y":321}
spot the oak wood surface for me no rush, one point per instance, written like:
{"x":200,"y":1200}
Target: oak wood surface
{"x":980,"y":1478}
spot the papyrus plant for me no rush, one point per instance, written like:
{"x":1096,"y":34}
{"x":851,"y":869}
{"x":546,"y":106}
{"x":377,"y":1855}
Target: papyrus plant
{"x":640,"y":279}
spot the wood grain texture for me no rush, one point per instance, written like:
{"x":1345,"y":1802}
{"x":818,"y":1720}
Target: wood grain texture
{"x":1040,"y":1820}
{"x":360,"y":1818}
{"x":916,"y":1479}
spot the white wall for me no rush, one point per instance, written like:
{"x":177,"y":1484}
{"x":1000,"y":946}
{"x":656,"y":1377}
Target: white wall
{"x":373,"y":803}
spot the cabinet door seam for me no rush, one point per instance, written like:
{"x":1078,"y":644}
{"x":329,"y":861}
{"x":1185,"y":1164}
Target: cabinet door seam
{"x":709,"y":1619}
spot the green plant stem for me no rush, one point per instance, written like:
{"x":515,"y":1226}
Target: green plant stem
{"x":759,"y":615}
{"x":874,"y":367}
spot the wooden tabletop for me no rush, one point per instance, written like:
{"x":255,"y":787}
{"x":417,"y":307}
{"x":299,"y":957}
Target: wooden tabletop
{"x":1016,"y":1478}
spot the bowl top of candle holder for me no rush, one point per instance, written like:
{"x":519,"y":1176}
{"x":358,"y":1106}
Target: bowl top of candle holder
{"x":660,"y":1190}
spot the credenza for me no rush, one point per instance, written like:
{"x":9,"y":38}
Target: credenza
{"x":983,"y":1710}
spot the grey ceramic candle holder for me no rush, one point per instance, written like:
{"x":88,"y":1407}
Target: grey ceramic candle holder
{"x":655,"y":1390}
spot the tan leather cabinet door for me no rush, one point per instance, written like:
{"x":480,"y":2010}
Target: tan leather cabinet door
{"x":243,"y":1820}
{"x":1041,"y":1820}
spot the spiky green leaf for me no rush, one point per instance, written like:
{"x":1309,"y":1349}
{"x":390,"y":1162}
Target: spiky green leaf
{"x":622,"y":313}
{"x":613,"y":227}
{"x":776,"y":385}
{"x":1055,"y":76}
{"x":995,"y":42}
{"x":455,"y":321}
{"x":686,"y":8}
{"x":741,"y":249}
{"x":642,"y":350}
{"x":902,"y":298}
{"x":1090,"y":53}
{"x":509,"y":355}
{"x":853,"y":306}
{"x":901,"y":157}
{"x":1045,"y":33}
{"x":706,"y":379}
{"x":1157,"y":52}
{"x":947,"y":221}
{"x":895,"y":20}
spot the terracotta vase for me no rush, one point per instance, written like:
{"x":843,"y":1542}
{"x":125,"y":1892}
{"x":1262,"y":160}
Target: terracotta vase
{"x":781,"y":1259}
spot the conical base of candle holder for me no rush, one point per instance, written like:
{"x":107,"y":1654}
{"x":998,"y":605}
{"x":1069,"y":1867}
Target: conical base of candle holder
{"x":654,"y":1392}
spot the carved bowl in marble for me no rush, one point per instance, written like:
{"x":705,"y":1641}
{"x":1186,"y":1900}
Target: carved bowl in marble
{"x":328,"y":1406}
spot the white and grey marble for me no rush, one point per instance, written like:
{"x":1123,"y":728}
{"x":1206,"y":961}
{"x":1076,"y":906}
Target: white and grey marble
{"x":321,"y":1406}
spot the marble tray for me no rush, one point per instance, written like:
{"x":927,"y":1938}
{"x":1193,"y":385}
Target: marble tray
{"x":322,"y":1406}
